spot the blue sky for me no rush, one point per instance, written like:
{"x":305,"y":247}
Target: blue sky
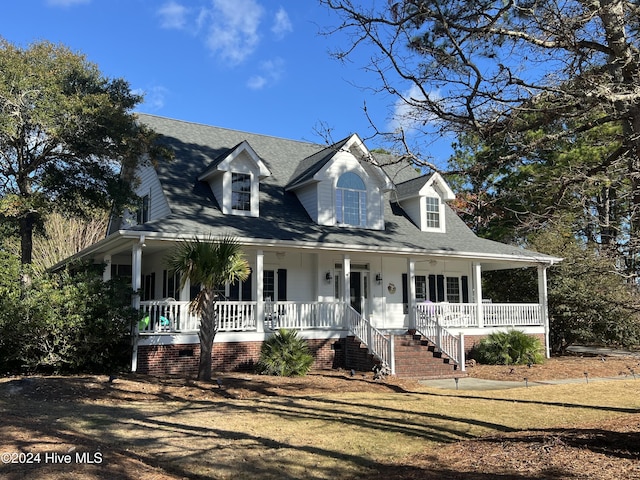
{"x":254,"y":65}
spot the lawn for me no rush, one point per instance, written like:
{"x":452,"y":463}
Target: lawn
{"x":325,"y":425}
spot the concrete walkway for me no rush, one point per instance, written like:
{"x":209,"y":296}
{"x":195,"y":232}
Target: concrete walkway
{"x":604,"y":351}
{"x":470,"y":383}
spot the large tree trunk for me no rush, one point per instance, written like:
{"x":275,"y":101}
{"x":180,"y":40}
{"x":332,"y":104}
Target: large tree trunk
{"x":623,"y":68}
{"x":26,"y":237}
{"x":207,"y":334}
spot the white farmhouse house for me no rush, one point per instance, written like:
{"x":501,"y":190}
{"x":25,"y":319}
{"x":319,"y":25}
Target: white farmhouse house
{"x":367,"y":261}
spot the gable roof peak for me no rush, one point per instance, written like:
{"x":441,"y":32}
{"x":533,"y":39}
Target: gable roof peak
{"x":353,"y":144}
{"x":223,"y":162}
{"x":418,"y":187}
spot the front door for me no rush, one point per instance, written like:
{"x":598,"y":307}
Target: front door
{"x":356,"y":291}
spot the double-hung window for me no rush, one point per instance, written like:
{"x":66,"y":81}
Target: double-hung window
{"x":453,"y":289}
{"x":241,"y":192}
{"x":433,"y":212}
{"x":351,"y":200}
{"x":143,"y":210}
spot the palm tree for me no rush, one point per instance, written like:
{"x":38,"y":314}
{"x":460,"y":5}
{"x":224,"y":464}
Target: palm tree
{"x":211,"y":264}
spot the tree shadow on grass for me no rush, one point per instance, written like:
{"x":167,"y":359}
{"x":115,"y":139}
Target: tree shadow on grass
{"x":167,"y":433}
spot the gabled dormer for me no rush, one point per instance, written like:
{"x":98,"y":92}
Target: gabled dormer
{"x":234,"y":178}
{"x":342,"y":185}
{"x":423,"y":200}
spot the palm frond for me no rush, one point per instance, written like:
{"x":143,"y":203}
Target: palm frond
{"x":210,"y":263}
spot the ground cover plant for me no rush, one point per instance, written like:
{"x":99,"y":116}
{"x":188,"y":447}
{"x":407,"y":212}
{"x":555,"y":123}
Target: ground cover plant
{"x":285,"y":353}
{"x":511,"y":347}
{"x":327,"y":424}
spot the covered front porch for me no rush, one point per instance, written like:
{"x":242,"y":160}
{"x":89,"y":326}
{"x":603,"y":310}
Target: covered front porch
{"x":171,"y":316}
{"x":326,"y":292}
{"x":444,"y":324}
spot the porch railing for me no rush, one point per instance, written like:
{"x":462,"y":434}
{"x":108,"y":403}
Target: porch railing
{"x":464,"y":315}
{"x":174,"y":316}
{"x":378,"y":344}
{"x":159,"y":316}
{"x":303,"y":315}
{"x":430,"y":327}
{"x":511,"y":314}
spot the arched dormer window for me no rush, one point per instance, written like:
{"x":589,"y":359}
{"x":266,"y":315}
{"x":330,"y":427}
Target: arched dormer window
{"x":351,"y":200}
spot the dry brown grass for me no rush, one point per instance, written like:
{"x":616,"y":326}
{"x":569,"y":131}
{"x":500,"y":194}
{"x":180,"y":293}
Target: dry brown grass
{"x":327,"y":425}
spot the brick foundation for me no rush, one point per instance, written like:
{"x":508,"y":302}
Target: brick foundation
{"x":182,"y":360}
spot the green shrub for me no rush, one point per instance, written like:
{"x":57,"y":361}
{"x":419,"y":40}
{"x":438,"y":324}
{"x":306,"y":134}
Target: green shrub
{"x":513,"y":347}
{"x":285,"y":354}
{"x":64,"y":322}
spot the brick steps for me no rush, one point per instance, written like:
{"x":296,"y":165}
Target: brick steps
{"x":415,"y":358}
{"x":418,"y":358}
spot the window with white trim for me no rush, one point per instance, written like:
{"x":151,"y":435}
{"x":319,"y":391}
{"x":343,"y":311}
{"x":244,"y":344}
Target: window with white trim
{"x":421,"y":288}
{"x":143,"y":210}
{"x":274,"y":285}
{"x":241,"y":192}
{"x":269,"y":285}
{"x":433,"y":212}
{"x":453,"y":289}
{"x":351,"y":200}
{"x":170,"y":285}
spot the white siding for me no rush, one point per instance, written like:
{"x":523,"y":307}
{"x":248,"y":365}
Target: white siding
{"x":158,"y":205}
{"x":375,"y":207}
{"x":326,"y":202}
{"x":308,"y":197}
{"x":319,"y":198}
{"x":217,"y":188}
{"x":341,"y":163}
{"x":412,"y":207}
{"x":149,"y":185}
{"x":244,"y":164}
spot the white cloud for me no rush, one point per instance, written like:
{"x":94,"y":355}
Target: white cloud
{"x":271,"y":72}
{"x":154,"y":97}
{"x":281,"y":24}
{"x":233,"y":33}
{"x":257,"y":82}
{"x":406,"y":114}
{"x":66,"y":3}
{"x":173,"y":16}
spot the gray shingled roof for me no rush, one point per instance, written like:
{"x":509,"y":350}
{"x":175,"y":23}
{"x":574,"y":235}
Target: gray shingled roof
{"x":410,"y":187}
{"x":282,"y":217}
{"x":311,"y":165}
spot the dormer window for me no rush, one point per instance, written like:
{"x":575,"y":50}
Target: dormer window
{"x":351,"y":200}
{"x":241,"y":192}
{"x":143,"y":210}
{"x":234,"y":178}
{"x":433,"y":212}
{"x":424,"y":200}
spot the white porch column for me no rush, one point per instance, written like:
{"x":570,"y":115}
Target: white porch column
{"x":477,"y":286}
{"x":106,"y":275}
{"x":346,"y":276}
{"x":544,"y":306}
{"x":259,"y":289}
{"x":136,"y":283}
{"x":346,"y":289}
{"x":411,"y":290}
{"x":136,"y":271}
{"x":185,"y":292}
